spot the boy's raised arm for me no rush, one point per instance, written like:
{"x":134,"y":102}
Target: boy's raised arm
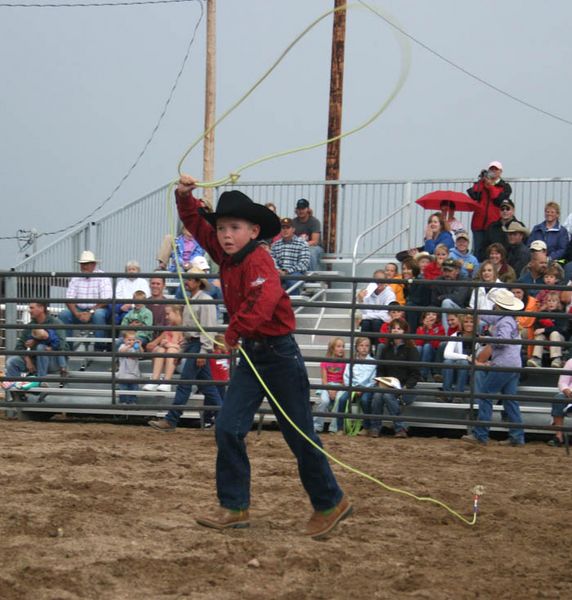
{"x":188,"y":208}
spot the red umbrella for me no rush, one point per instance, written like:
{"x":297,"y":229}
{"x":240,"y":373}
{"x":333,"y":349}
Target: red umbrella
{"x":432,"y":201}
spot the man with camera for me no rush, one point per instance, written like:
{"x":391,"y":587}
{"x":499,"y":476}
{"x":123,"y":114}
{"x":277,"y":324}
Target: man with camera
{"x":489,"y":191}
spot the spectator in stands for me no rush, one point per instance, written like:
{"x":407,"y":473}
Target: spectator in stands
{"x":167,"y":342}
{"x":127,"y":286}
{"x":562,"y":404}
{"x":447,"y":209}
{"x":551,"y":232}
{"x":448,"y":295}
{"x":392,"y":272}
{"x":291,"y":255}
{"x":488,"y":274}
{"x":437,"y":232}
{"x":460,"y":253}
{"x":375,"y":294}
{"x":197,"y":342}
{"x":139,"y":316}
{"x":424,"y":258}
{"x":402,"y":350}
{"x":549,"y":328}
{"x":359,"y":375}
{"x":416,"y":294}
{"x":503,"y":326}
{"x":497,"y":254}
{"x":526,"y":323}
{"x":186,"y":248}
{"x":430,"y":325}
{"x":308,"y":228}
{"x":94,"y":288}
{"x":458,"y":352}
{"x":157,"y":287}
{"x":453,"y":326}
{"x":534,"y":271}
{"x":220,"y":366}
{"x":554,"y":275}
{"x":489,"y":191}
{"x":212,"y":285}
{"x":518,"y":253}
{"x":129,"y":366}
{"x":496,"y":233}
{"x":394,"y":313}
{"x":332,"y":373}
{"x":433,"y":269}
{"x":45,"y":337}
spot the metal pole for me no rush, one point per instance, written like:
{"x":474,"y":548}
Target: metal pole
{"x":334,"y":127}
{"x":210,"y":101}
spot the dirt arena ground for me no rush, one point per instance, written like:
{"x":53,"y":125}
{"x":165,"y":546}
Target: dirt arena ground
{"x":105,"y":511}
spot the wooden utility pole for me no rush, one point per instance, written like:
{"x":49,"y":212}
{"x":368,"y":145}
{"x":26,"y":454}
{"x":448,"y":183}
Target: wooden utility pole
{"x":210,"y":100}
{"x":334,"y":127}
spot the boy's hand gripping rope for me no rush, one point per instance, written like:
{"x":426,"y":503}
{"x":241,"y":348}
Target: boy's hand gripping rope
{"x":233,"y":177}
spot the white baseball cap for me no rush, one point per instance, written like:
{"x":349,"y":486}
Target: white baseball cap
{"x":201,"y":263}
{"x":496,"y":164}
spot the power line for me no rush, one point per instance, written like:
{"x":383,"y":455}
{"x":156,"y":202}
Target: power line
{"x":145,"y":146}
{"x":93,"y":4}
{"x":467,"y":72}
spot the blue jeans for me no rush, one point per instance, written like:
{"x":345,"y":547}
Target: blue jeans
{"x":478,"y":244}
{"x":16,"y":365}
{"x":315,"y":258}
{"x":288,"y":283}
{"x":98,"y":318}
{"x":128,"y":387}
{"x":323,"y":405}
{"x":365,"y":401}
{"x":558,"y":407}
{"x":191,"y":371}
{"x":452,"y":307}
{"x":279,"y":363}
{"x":500,"y":383}
{"x":343,"y":402}
{"x":455,"y":379}
{"x":391,"y":403}
{"x":427,"y":354}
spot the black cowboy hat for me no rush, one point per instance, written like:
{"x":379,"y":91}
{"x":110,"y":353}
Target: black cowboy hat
{"x":237,"y":204}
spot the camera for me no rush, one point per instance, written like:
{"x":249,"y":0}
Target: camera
{"x":483,"y":174}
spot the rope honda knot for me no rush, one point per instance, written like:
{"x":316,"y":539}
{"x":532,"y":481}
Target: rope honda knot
{"x":234,"y":177}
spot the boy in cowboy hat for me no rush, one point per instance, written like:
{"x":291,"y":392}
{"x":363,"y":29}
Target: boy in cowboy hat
{"x":261,"y":315}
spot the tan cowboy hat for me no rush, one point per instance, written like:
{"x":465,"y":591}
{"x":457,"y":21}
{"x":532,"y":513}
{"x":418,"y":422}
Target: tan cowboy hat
{"x":87,"y":256}
{"x":505,"y":299}
{"x":389,"y":382}
{"x":516,"y":227}
{"x":205,"y":284}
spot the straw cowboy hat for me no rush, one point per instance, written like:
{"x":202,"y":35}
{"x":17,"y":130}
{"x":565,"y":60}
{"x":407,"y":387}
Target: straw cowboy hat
{"x":505,"y":299}
{"x":237,"y":204}
{"x":516,"y":227}
{"x":87,"y":256}
{"x":389,"y":382}
{"x":205,"y":285}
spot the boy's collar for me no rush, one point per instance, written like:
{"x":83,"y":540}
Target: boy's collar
{"x":243,"y":252}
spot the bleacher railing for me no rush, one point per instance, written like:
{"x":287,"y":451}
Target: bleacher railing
{"x":135,"y":231}
{"x":18,"y":298}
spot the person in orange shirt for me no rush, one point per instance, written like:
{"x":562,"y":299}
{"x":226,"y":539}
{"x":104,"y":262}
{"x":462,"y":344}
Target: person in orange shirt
{"x":391,"y":272}
{"x":526,"y":324}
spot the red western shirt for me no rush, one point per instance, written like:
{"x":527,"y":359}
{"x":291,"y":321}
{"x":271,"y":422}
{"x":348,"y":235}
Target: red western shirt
{"x":255,"y":301}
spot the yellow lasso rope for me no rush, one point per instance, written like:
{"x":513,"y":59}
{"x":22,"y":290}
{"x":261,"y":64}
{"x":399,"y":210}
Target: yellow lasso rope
{"x":478,"y":490}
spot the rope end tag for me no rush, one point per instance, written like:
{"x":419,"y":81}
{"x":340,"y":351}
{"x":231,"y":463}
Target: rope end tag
{"x":234,"y":177}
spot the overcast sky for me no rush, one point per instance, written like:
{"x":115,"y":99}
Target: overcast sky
{"x":82,"y":88}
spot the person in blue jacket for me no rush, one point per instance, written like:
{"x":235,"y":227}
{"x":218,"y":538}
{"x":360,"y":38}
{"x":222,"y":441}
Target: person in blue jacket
{"x":437,"y":232}
{"x":551,"y":232}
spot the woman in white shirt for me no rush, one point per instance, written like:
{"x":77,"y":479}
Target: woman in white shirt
{"x":458,"y":352}
{"x":487,"y":273}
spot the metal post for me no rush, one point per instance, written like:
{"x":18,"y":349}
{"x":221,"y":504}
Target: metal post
{"x":11,"y":310}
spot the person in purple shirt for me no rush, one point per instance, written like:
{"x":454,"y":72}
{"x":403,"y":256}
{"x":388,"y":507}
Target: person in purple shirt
{"x":502,"y":326}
